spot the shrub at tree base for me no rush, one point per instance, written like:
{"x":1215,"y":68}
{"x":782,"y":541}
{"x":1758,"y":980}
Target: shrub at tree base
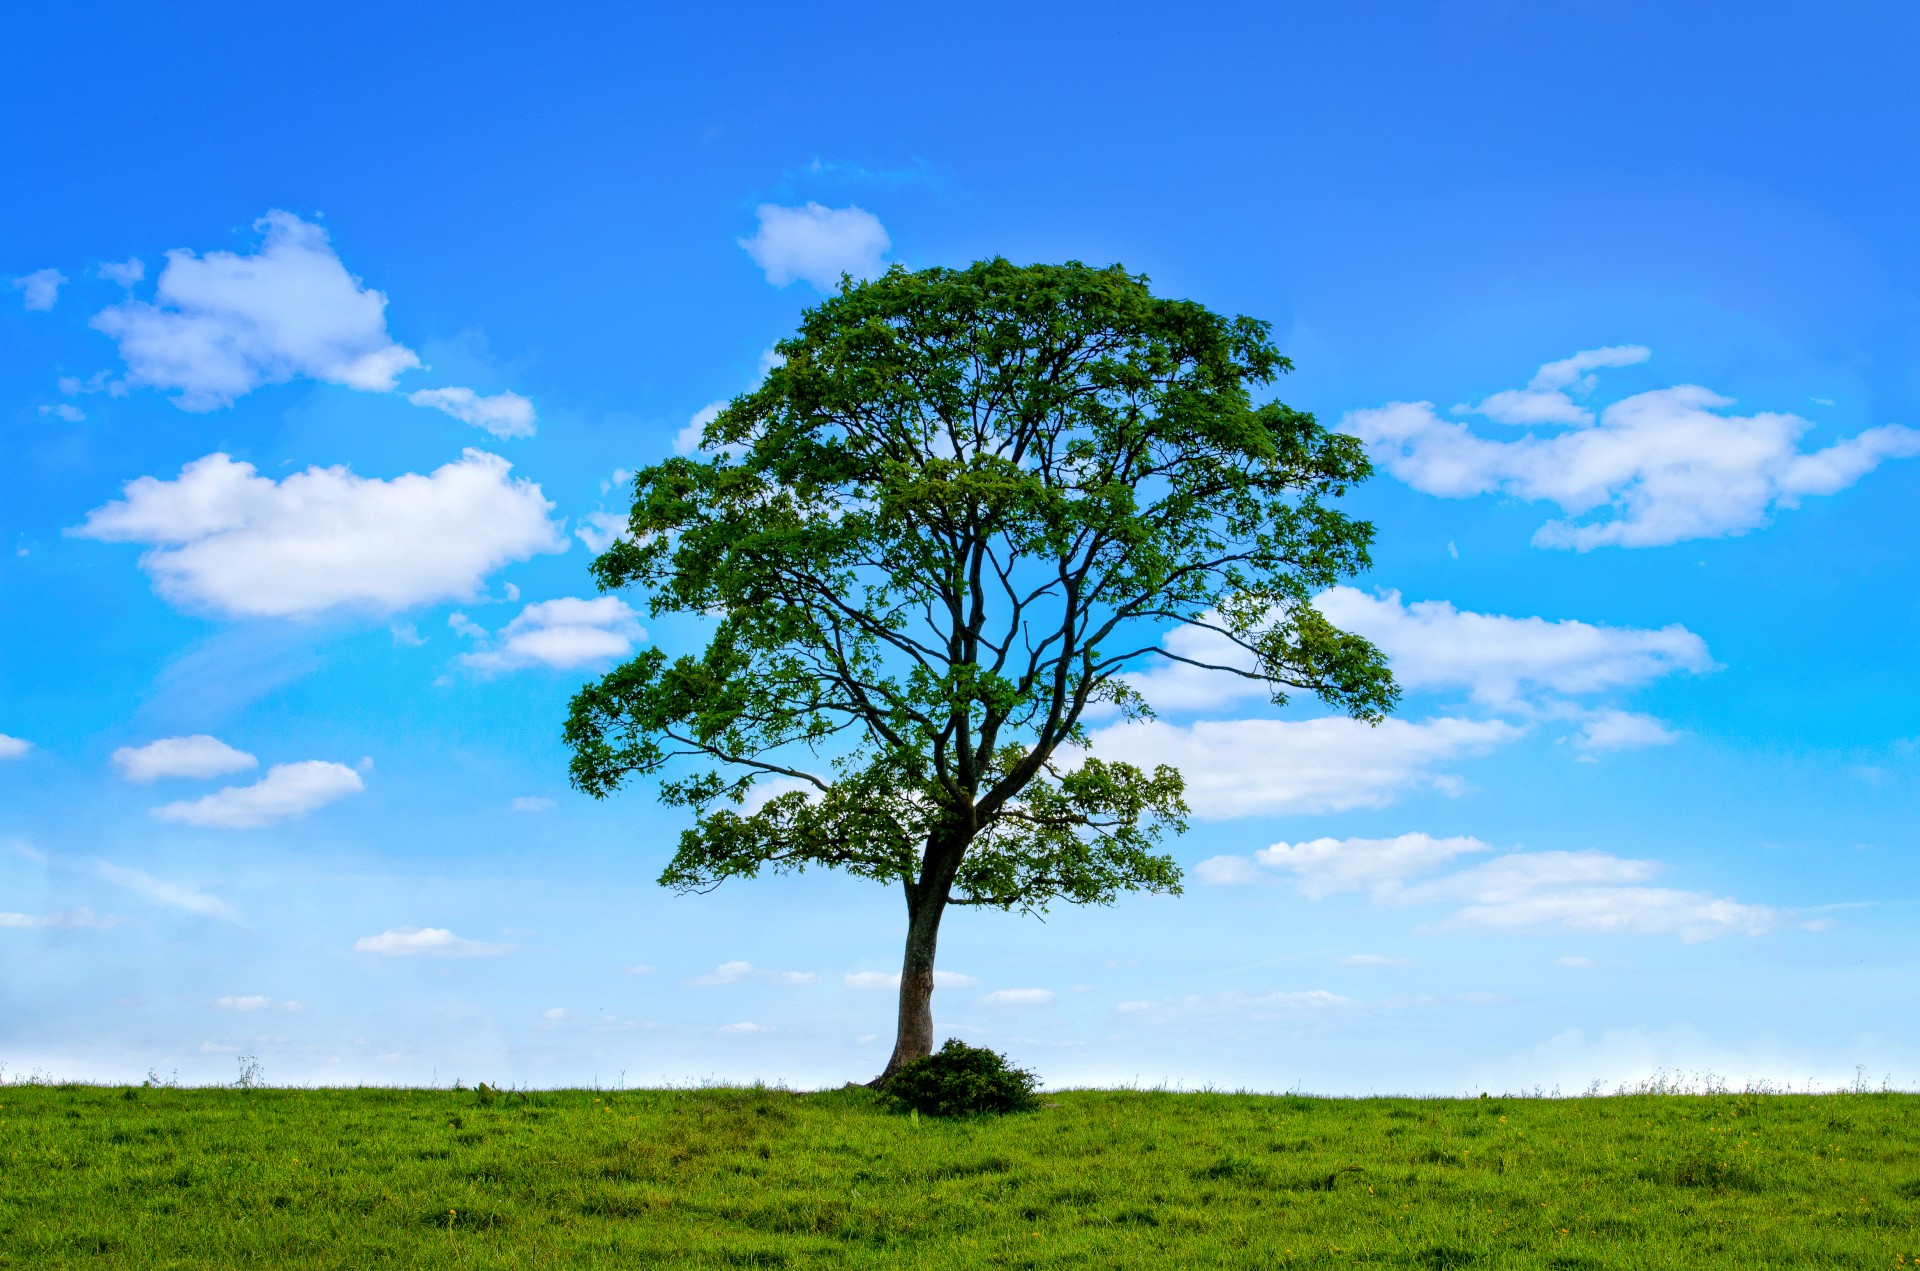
{"x":959,"y":1080}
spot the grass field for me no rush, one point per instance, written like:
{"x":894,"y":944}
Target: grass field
{"x":160,"y":1177}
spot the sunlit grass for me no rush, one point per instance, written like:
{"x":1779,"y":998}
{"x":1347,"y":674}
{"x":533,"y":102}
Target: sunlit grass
{"x":728,"y":1177}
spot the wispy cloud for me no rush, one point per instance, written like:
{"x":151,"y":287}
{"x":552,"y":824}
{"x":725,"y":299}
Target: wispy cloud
{"x":432,"y":942}
{"x":1579,"y":891}
{"x":62,"y":919}
{"x":736,"y":972}
{"x":175,"y":895}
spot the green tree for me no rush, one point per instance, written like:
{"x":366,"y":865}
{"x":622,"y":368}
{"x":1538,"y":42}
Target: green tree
{"x":929,"y":544}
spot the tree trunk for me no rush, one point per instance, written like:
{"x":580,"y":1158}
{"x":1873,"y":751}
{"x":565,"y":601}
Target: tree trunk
{"x":915,"y":1037}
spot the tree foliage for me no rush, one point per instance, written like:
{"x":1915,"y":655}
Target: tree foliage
{"x":928,"y":549}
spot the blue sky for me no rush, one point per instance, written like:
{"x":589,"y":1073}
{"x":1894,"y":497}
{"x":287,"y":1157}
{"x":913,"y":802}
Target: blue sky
{"x":294,"y":526}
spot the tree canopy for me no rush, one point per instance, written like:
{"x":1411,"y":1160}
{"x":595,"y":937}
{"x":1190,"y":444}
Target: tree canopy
{"x":930,"y":548}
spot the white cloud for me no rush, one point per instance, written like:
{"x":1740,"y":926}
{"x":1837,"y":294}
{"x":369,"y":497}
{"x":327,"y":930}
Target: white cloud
{"x":891,"y":980}
{"x":432,"y":942}
{"x":1430,"y":644}
{"x":1545,"y":401}
{"x":223,"y":324}
{"x":125,"y":273}
{"x":1579,"y":891}
{"x":98,"y":382}
{"x":817,"y":244}
{"x":1658,"y":467}
{"x":555,"y":1013}
{"x":563,"y":634}
{"x":13,"y":747}
{"x":1226,"y":871}
{"x":1016,"y":997}
{"x":503,"y":414}
{"x":252,"y":1003}
{"x":1325,"y":866}
{"x":744,"y":1026}
{"x":1498,"y":660}
{"x":177,"y":895}
{"x":1623,"y":730}
{"x":40,"y":289}
{"x":1577,"y":963}
{"x":222,"y":536}
{"x":735,"y":972}
{"x":63,"y":919}
{"x":532,"y":803}
{"x":640,"y":968}
{"x":687,"y":440}
{"x":195,"y":756}
{"x":1254,"y":767}
{"x":599,"y":530}
{"x":1239,"y":1005}
{"x":288,"y":790}
{"x":66,"y":412}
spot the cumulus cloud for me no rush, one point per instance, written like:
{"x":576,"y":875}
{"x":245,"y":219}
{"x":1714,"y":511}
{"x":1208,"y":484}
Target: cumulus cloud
{"x":66,"y":412}
{"x":226,"y":538}
{"x":174,"y":895}
{"x":249,"y":1003}
{"x":565,"y":633}
{"x":1579,"y":891}
{"x":223,"y":324}
{"x":891,"y":980}
{"x":736,"y":972}
{"x":195,"y":756}
{"x":1498,"y":660}
{"x":288,"y":790}
{"x":40,"y":290}
{"x":61,"y":920}
{"x":503,"y":414}
{"x":1254,"y":767}
{"x":431,"y":942}
{"x":1655,"y":468}
{"x":13,"y":747}
{"x":1016,"y":997}
{"x":817,"y":244}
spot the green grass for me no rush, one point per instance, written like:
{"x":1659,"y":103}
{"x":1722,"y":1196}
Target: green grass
{"x":764,"y":1178}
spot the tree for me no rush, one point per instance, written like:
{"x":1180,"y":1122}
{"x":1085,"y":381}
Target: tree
{"x":930,"y":544}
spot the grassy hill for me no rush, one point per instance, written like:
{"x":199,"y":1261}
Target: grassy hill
{"x":764,"y":1178}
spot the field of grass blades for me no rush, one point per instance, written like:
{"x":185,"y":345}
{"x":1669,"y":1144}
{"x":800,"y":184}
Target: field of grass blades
{"x":294,"y":1178}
